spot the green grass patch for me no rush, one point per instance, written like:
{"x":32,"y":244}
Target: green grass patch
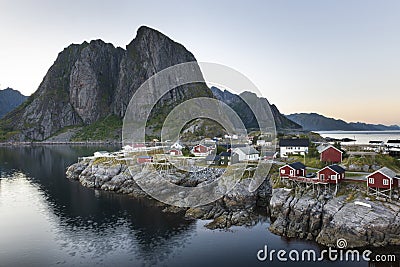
{"x":105,"y":129}
{"x":309,"y":161}
{"x":7,"y":135}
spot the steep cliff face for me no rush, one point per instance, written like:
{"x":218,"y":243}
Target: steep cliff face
{"x":90,"y":81}
{"x":246,"y":114}
{"x":93,"y":80}
{"x":149,"y":53}
{"x":49,"y":108}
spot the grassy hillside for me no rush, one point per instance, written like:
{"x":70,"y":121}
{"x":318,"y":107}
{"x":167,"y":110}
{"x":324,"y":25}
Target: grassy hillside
{"x":105,"y":129}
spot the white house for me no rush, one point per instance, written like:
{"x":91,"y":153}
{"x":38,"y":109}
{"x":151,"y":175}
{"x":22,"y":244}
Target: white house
{"x":297,"y":146}
{"x":201,"y":150}
{"x":393,"y":143}
{"x":177,"y":146}
{"x":127,"y":148}
{"x":100,"y":154}
{"x":247,"y":153}
{"x":234,"y":136}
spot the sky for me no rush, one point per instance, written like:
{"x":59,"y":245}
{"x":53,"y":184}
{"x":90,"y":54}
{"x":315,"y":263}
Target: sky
{"x":337,"y":58}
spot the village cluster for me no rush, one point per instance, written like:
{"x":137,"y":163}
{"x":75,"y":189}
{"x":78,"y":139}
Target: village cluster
{"x":205,"y":151}
{"x":383,"y":182}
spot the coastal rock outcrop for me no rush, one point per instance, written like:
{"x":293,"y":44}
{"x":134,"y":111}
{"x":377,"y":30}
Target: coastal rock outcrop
{"x":327,"y":219}
{"x":238,"y":207}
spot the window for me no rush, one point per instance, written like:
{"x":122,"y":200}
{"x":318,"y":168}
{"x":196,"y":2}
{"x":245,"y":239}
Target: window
{"x":321,"y":176}
{"x":333,"y":177}
{"x":283,"y":171}
{"x":385,"y":182}
{"x":371,"y":181}
{"x":291,"y":172}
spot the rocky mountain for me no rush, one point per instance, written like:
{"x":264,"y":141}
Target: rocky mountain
{"x":237,"y":103}
{"x":316,"y":122}
{"x":89,"y":82}
{"x":9,"y":100}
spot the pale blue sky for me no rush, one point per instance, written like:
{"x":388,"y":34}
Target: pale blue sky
{"x":337,"y":58}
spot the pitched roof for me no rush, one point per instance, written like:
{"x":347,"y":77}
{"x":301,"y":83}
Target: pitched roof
{"x":212,"y":157}
{"x":299,"y":142}
{"x":248,"y":150}
{"x":297,"y":165}
{"x":375,"y":142}
{"x":323,"y":147}
{"x":387,"y":172}
{"x":337,"y":168}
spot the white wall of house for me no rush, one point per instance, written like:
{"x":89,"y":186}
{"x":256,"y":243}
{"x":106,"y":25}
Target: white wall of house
{"x":244,"y":157}
{"x":286,"y":151}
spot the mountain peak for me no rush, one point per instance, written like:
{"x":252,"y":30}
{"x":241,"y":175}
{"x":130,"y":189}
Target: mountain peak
{"x":238,"y":104}
{"x":10,"y":99}
{"x":90,"y":81}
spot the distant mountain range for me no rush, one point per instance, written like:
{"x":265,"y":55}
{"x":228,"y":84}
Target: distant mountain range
{"x":237,"y":103}
{"x":317,"y":122}
{"x":9,"y":100}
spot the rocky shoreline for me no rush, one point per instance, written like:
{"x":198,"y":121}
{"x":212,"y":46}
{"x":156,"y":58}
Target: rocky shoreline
{"x":293,"y":213}
{"x":239,"y":207}
{"x":326,"y":219}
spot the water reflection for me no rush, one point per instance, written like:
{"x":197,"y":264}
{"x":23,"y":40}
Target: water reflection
{"x":84,"y":224}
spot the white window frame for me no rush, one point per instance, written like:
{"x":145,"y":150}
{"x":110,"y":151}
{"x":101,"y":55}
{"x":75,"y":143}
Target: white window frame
{"x":385,"y":181}
{"x":371,"y":180}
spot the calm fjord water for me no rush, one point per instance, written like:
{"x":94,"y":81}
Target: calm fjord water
{"x":47,"y":220}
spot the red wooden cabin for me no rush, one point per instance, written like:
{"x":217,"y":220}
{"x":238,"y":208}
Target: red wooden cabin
{"x":144,"y":159}
{"x":332,"y":174}
{"x":383,"y":178}
{"x":293,"y":170}
{"x":330,"y":154}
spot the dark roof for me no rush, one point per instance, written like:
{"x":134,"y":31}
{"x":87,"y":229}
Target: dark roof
{"x":225,"y":154}
{"x":235,"y":145}
{"x":300,"y":142}
{"x":212,"y":157}
{"x":393,"y":141}
{"x":337,"y":168}
{"x":297,"y":165}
